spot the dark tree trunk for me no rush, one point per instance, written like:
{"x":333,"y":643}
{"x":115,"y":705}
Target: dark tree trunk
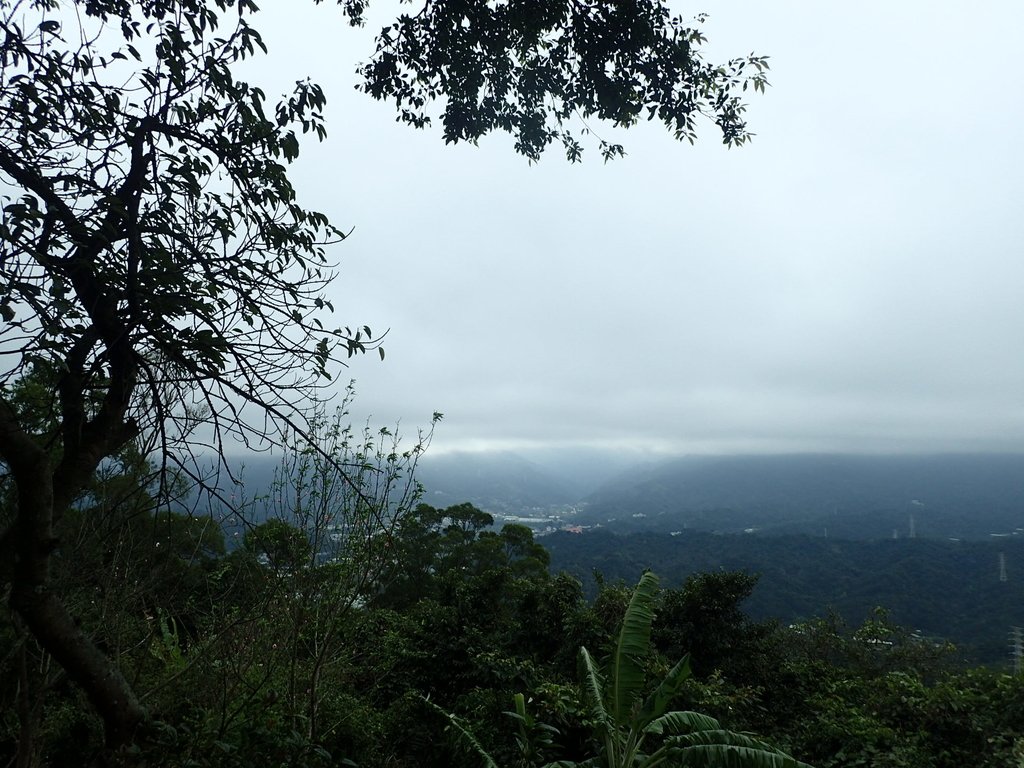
{"x":29,"y":704}
{"x":99,"y":677}
{"x":44,"y":614}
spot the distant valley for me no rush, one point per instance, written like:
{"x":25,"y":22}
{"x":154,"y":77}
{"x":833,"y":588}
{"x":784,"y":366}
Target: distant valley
{"x":971,"y":496}
{"x":938,"y":540}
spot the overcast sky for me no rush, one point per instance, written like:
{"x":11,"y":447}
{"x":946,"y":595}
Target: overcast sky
{"x":850,"y":281}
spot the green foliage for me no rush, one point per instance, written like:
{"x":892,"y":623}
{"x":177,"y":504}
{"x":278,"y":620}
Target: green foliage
{"x":533,"y":69}
{"x":623,"y":719}
{"x":534,"y":738}
{"x":263,"y":737}
{"x":228,"y":683}
{"x":283,"y":545}
{"x":435,"y":550}
{"x":463,"y":735}
{"x":865,"y":702}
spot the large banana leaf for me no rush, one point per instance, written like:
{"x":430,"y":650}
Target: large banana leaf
{"x":718,"y":735}
{"x":593,"y":690}
{"x":727,"y":756}
{"x":462,"y":734}
{"x":725,"y":749}
{"x":627,"y":674}
{"x":685,"y":722}
{"x":657,"y":703}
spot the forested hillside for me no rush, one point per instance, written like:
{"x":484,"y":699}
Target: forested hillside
{"x":841,"y":496}
{"x":946,"y":590}
{"x":269,"y":654}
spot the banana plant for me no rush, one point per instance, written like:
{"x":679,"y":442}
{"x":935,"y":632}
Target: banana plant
{"x":627,"y":723}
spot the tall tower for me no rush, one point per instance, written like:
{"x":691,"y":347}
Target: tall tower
{"x":1017,"y":649}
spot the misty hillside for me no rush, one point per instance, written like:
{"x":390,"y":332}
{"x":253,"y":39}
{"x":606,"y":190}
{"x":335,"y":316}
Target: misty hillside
{"x":839,"y":496}
{"x":969,"y":592}
{"x":834,"y":495}
{"x":501,"y":482}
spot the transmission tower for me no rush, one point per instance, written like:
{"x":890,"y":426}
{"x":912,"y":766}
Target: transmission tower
{"x":1016,"y":648}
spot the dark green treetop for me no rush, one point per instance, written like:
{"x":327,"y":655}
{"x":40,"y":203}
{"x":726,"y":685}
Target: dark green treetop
{"x":540,"y":71}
